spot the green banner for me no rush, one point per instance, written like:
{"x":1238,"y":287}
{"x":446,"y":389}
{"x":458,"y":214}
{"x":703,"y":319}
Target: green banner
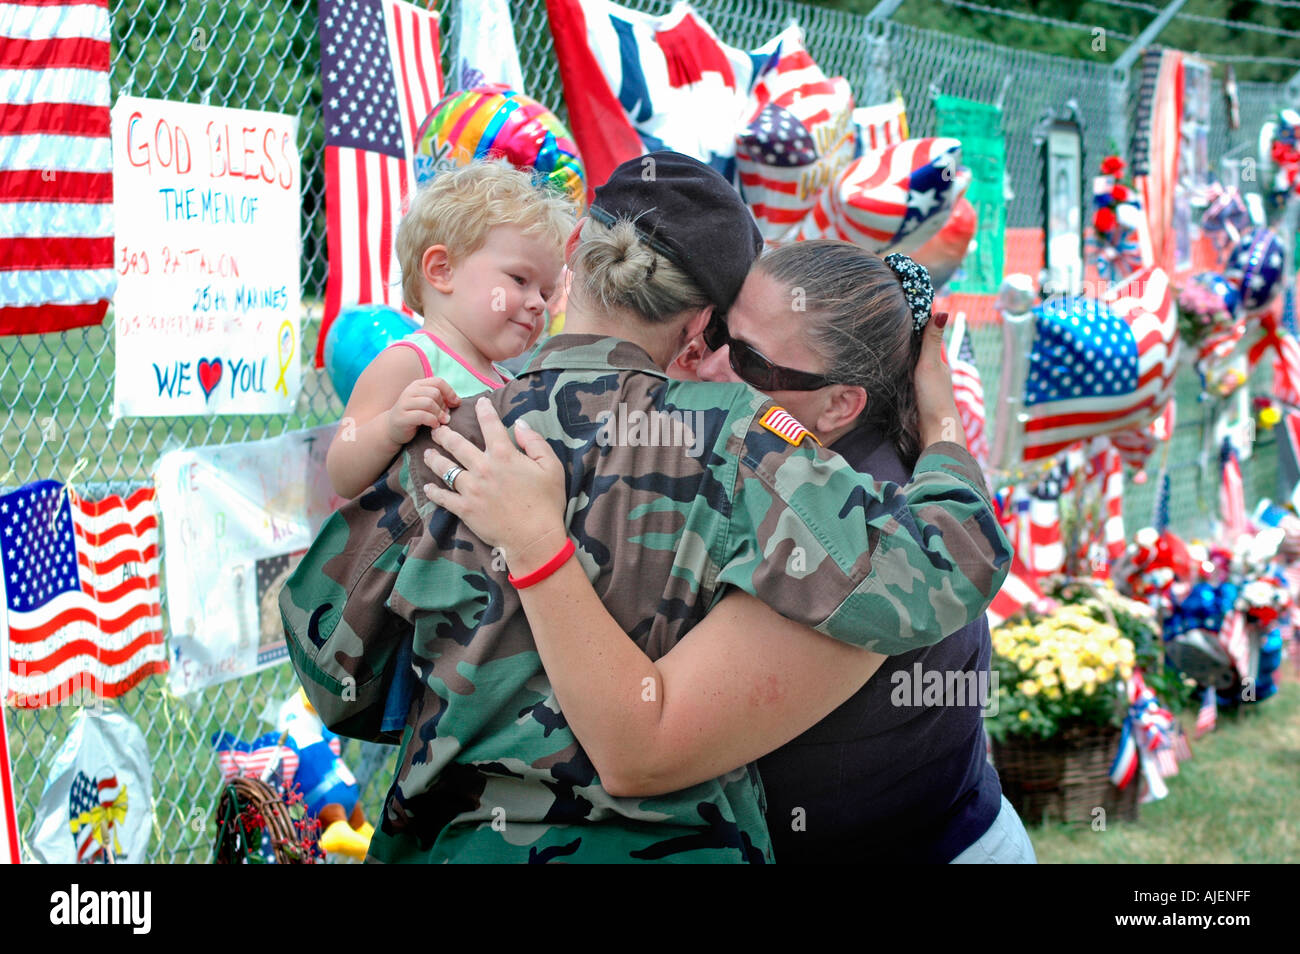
{"x":984,"y":152}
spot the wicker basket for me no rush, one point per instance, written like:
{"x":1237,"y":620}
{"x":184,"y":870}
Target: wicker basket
{"x":1065,"y":777}
{"x":237,"y":845}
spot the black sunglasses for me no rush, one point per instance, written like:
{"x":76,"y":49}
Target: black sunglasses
{"x":754,"y":369}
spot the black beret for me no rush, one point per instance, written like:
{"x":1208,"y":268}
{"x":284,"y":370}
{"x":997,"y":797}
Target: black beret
{"x":687,"y":212}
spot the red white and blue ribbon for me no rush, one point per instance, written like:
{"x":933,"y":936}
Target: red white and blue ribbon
{"x":1150,"y":740}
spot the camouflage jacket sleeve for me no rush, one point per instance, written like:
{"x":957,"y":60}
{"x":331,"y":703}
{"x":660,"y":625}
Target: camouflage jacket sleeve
{"x":342,"y":636}
{"x":881,"y":566}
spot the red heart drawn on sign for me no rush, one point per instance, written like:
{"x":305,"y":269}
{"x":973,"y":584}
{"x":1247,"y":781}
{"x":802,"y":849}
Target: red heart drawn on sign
{"x":209,"y":375}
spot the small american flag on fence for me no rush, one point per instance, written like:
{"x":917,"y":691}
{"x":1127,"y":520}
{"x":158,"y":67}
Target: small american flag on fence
{"x":381,"y":75}
{"x":56,"y":166}
{"x":81,"y":593}
{"x":1098,"y":367}
{"x":968,"y":390}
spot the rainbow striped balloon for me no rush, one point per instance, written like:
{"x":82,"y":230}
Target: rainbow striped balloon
{"x":495,"y":121}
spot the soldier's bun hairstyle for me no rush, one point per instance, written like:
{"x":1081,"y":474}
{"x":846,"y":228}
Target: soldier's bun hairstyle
{"x":615,"y":271}
{"x":853,"y":313}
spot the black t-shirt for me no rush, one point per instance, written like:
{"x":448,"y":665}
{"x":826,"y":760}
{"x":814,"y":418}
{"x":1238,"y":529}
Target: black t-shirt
{"x":883,"y":778}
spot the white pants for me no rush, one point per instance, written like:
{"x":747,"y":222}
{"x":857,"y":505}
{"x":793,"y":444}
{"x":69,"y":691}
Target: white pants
{"x":1005,"y":843}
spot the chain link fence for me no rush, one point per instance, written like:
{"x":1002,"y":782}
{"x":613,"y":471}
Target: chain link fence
{"x":56,"y":388}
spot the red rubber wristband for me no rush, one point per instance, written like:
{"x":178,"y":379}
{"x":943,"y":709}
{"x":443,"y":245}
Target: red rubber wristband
{"x":546,"y":569}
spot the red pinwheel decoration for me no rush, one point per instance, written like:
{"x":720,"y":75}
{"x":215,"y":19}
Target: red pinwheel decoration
{"x":1115,"y":244}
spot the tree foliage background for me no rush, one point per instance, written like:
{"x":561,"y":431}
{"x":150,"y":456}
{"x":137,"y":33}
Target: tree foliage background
{"x":1119,"y":16}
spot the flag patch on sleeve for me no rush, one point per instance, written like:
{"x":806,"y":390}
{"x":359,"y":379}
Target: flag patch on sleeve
{"x":783,"y":424}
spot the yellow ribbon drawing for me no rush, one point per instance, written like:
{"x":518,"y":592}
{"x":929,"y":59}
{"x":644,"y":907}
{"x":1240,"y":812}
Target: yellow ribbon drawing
{"x":71,"y":494}
{"x":105,"y":819}
{"x":287,"y":337}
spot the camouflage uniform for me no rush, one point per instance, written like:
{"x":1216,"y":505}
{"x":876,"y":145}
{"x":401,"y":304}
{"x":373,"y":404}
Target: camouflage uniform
{"x":489,"y":769}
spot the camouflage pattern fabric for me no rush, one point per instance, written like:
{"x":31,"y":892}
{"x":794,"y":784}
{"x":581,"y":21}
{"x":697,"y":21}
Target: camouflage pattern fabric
{"x":675,"y":493}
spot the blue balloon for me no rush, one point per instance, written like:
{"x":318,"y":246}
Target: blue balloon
{"x":1255,"y":268}
{"x":1220,"y":286}
{"x":357,"y":335}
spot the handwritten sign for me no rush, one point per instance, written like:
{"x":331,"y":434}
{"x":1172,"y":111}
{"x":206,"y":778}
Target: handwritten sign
{"x":207,"y":203}
{"x":236,"y":520}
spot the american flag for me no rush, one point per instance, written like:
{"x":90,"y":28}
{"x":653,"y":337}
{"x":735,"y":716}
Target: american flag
{"x":797,"y":141}
{"x":381,"y":75}
{"x":56,"y":166}
{"x":81,"y":593}
{"x":1207,"y":716}
{"x":968,"y":390}
{"x":91,"y":804}
{"x":1232,"y":493}
{"x":893,"y":200}
{"x":781,"y":423}
{"x":1098,"y":367}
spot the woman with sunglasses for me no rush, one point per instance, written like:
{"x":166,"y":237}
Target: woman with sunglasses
{"x":832,"y":334}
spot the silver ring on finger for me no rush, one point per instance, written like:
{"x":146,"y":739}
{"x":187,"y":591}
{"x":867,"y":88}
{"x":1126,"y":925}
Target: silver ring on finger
{"x":449,"y":478}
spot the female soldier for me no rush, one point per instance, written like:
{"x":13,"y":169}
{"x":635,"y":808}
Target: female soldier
{"x":882,"y":778}
{"x":735,"y":496}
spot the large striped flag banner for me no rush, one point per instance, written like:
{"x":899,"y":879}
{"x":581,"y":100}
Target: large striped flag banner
{"x":81,"y":601}
{"x":1157,"y":181}
{"x":1099,"y":367}
{"x":381,"y":74}
{"x":635,"y":83}
{"x":56,"y":166}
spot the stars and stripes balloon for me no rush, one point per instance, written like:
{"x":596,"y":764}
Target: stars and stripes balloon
{"x":797,"y":140}
{"x":495,"y":121}
{"x":1255,"y":268}
{"x":893,"y":200}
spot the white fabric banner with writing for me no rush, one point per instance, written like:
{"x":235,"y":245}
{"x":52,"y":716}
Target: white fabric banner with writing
{"x":208,"y":252}
{"x":485,"y":46}
{"x":236,"y":520}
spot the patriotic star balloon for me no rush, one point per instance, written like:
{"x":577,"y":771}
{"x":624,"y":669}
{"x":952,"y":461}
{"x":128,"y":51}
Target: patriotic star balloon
{"x":798,"y":138}
{"x":893,"y":200}
{"x":1256,"y":269}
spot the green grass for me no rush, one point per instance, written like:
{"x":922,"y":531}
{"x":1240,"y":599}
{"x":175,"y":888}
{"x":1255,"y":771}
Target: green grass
{"x":1235,"y":801}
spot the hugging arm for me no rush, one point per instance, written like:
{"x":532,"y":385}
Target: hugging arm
{"x":744,"y":682}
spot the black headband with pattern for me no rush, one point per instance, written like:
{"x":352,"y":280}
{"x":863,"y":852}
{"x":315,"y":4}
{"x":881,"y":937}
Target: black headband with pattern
{"x":917,"y":288}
